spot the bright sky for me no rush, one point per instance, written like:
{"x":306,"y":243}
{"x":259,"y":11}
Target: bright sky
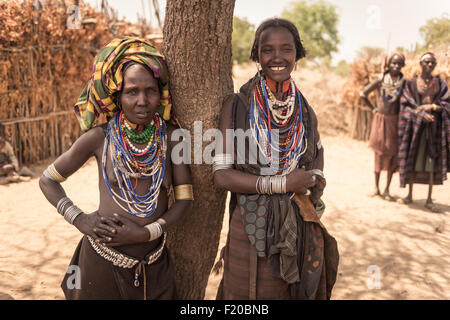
{"x":379,"y":23}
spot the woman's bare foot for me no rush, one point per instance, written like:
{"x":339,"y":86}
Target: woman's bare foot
{"x":432,"y":207}
{"x":376,"y":193}
{"x":406,"y":200}
{"x":386,"y":196}
{"x":13,"y":178}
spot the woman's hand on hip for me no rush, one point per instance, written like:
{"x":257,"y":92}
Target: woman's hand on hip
{"x":120,"y":230}
{"x":87,"y":222}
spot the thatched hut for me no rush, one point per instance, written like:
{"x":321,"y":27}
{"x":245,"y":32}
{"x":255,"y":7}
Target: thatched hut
{"x":45,"y":59}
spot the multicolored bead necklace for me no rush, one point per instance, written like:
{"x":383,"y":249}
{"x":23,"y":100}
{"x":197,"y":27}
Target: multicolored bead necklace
{"x":281,"y":110}
{"x":145,"y":135}
{"x":425,"y":84}
{"x":129,"y":162}
{"x":290,"y":144}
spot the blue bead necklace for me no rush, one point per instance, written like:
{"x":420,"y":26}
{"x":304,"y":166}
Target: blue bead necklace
{"x":261,"y":124}
{"x":129,"y":164}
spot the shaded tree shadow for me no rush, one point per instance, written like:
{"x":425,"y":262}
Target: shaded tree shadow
{"x":399,"y":251}
{"x":419,"y":204}
{"x":5,"y":296}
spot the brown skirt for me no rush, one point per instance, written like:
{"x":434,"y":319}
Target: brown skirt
{"x":384,"y":141}
{"x":99,"y":279}
{"x":238,"y":273}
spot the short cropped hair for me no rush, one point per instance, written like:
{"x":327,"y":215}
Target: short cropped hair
{"x":274,"y":23}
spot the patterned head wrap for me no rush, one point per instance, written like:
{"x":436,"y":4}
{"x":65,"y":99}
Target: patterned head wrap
{"x":427,"y":55}
{"x":107,"y":79}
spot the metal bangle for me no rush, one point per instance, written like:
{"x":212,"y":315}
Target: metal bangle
{"x":318,"y":172}
{"x":60,"y":207}
{"x":53,"y":174}
{"x":155,"y":230}
{"x":184,"y":192}
{"x":222,"y":161}
{"x":319,"y":144}
{"x":71,"y":213}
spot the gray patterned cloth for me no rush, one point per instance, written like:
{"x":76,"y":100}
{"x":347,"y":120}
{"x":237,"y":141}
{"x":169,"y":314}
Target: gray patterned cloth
{"x":254,"y":212}
{"x":271,"y":226}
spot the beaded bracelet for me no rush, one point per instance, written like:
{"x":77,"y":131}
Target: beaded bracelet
{"x":155,"y":230}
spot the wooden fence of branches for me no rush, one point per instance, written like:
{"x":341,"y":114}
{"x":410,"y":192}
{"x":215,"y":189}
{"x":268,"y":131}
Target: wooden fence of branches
{"x":46,"y":55}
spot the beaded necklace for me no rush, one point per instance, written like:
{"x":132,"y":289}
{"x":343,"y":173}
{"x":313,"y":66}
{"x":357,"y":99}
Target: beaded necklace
{"x":290,"y":143}
{"x":424,"y":84}
{"x":281,"y":110}
{"x":141,"y":137}
{"x":390,"y":88}
{"x":129,"y":162}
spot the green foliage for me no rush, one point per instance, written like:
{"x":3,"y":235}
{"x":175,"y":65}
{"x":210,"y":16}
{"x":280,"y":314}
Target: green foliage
{"x":401,"y":49}
{"x":317,"y":24}
{"x":436,"y":32}
{"x":342,"y":68}
{"x":242,"y":40}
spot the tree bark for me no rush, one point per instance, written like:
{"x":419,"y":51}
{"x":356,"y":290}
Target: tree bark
{"x":197,"y":45}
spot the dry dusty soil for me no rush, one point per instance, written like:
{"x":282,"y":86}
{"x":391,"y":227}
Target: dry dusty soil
{"x":387,"y":250}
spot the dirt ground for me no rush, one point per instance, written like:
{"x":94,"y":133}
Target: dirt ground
{"x":387,"y":250}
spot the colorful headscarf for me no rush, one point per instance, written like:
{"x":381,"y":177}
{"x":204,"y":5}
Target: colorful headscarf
{"x":427,"y":55}
{"x":107,"y":79}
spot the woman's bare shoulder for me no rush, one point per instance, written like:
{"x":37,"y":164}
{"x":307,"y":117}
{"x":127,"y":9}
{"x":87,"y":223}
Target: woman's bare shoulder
{"x":91,"y":139}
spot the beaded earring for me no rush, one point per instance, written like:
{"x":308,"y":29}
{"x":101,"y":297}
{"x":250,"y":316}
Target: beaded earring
{"x":259,"y":68}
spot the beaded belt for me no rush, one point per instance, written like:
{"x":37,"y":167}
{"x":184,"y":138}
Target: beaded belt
{"x":121,"y":260}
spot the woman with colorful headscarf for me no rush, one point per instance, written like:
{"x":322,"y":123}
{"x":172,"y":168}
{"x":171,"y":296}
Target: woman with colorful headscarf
{"x":122,"y":254}
{"x":383,"y":136}
{"x":277,"y":248}
{"x":424,"y":131}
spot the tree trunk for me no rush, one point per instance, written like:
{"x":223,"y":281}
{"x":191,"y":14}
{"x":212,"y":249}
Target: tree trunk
{"x":197,"y":45}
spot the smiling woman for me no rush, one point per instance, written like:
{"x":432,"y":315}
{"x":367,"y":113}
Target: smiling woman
{"x":123,"y":254}
{"x":277,"y":247}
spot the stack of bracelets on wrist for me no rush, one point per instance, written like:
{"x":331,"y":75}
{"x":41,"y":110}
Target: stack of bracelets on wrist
{"x":66,"y":208}
{"x":62,"y":204}
{"x":223,"y":161}
{"x":271,"y":185}
{"x":155,"y":230}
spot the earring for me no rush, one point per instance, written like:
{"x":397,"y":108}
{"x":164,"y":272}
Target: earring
{"x":259,"y":68}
